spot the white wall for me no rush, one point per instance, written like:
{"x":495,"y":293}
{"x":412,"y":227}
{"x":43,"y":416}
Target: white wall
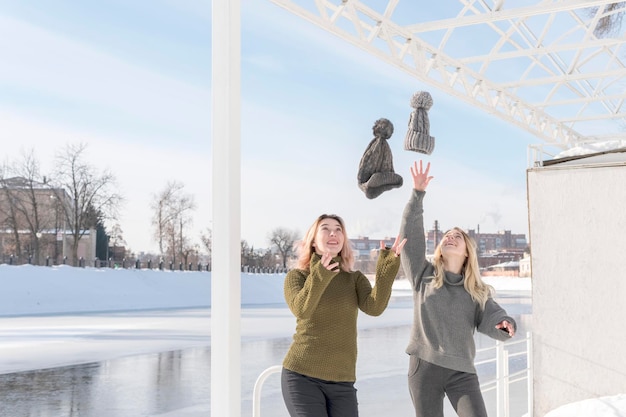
{"x":577,"y":222}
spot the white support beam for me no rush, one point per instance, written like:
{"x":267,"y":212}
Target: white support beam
{"x":226,"y":205}
{"x":554,"y":54}
{"x":545,"y":7}
{"x":527,"y":52}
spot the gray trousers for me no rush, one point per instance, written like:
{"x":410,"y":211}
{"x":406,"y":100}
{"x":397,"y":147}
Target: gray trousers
{"x":311,"y":397}
{"x":429,"y":383}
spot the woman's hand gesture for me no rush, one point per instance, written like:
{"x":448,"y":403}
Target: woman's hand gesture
{"x":420,"y":177}
{"x":505,"y":326}
{"x":327,"y":262}
{"x":397,"y":245}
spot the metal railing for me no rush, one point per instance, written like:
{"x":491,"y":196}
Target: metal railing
{"x":537,"y":153}
{"x":500,"y":383}
{"x":504,"y":378}
{"x":256,"y":393}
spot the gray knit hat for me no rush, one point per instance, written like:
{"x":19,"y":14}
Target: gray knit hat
{"x":376,"y":174}
{"x":418,"y":137}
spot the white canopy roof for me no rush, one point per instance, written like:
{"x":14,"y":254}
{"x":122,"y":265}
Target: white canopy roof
{"x":551,"y":67}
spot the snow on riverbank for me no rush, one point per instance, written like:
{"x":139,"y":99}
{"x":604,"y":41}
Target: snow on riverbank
{"x":29,"y":290}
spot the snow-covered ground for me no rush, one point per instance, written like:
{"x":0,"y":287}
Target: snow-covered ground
{"x":609,"y":406}
{"x":83,"y":314}
{"x":29,"y":290}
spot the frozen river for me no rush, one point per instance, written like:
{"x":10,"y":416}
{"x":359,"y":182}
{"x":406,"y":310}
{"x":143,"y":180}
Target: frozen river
{"x":116,"y":377}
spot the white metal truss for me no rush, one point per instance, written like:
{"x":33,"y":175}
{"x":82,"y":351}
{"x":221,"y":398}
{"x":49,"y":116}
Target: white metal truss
{"x":536,"y":64}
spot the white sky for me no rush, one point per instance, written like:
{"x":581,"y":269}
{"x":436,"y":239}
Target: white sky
{"x":132,"y":80}
{"x":80,"y":315}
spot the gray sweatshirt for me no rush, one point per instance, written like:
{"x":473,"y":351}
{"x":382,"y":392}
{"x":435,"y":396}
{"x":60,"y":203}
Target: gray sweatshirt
{"x":444,"y":319}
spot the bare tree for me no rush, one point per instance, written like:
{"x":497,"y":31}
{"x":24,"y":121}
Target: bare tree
{"x":184,"y":205}
{"x":89,"y":193}
{"x":610,"y":18}
{"x":171,"y":219}
{"x":207,"y":240}
{"x":247,"y":254}
{"x":116,"y":239}
{"x":284,"y":240}
{"x":32,"y":201}
{"x":28,"y":205}
{"x":255,"y":258}
{"x":163,"y":216}
{"x":8,"y":213}
{"x":117,"y":236}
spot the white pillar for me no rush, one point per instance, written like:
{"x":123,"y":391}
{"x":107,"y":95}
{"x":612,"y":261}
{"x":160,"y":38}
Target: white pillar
{"x":226,"y":174}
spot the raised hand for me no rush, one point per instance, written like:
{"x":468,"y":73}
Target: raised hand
{"x":397,"y":245}
{"x":420,"y":176}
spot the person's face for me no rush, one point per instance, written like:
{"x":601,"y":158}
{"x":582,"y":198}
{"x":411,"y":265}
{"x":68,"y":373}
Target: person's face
{"x":453,"y":244}
{"x":329,"y":237}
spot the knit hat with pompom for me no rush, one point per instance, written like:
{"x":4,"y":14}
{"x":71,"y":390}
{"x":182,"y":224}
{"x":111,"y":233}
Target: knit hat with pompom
{"x":418,"y":137}
{"x":376,"y":174}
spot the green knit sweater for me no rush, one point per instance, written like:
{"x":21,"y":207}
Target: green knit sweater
{"x":326,"y":306}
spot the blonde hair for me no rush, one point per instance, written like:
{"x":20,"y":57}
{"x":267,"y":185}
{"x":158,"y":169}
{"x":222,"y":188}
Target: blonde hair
{"x":306,"y":249}
{"x":473,"y":283}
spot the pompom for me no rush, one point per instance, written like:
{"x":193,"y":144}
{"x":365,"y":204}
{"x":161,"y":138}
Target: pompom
{"x":422,"y":99}
{"x":382,"y":128}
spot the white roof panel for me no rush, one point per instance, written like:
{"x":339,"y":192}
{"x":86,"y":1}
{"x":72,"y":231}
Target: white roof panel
{"x":546,"y":66}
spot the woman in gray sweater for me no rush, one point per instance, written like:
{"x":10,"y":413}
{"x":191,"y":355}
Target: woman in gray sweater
{"x":451,"y":302}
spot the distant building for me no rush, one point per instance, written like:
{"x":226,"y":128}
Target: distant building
{"x":363,"y":246}
{"x":366,"y":253}
{"x":493,"y":248}
{"x":524,"y":266}
{"x":33,"y":226}
{"x":486,"y":260}
{"x":505,"y":269}
{"x":499,"y":251}
{"x":499,"y":241}
{"x":486,"y":242}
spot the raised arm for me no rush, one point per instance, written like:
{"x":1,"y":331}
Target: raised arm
{"x":412,"y":225}
{"x":373,"y":301}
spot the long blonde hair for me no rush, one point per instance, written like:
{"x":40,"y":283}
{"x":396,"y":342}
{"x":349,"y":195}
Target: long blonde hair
{"x":306,"y":249}
{"x":474,"y":285}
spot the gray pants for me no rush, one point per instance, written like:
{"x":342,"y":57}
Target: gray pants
{"x":311,"y":397}
{"x":429,"y":383}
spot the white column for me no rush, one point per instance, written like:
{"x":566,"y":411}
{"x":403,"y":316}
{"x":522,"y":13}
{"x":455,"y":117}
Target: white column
{"x":226,"y":174}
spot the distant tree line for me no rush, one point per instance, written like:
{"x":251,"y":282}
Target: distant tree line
{"x":282,"y":249}
{"x":39,"y":211}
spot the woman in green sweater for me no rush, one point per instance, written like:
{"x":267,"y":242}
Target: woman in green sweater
{"x":451,"y":303}
{"x":325,"y":295}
